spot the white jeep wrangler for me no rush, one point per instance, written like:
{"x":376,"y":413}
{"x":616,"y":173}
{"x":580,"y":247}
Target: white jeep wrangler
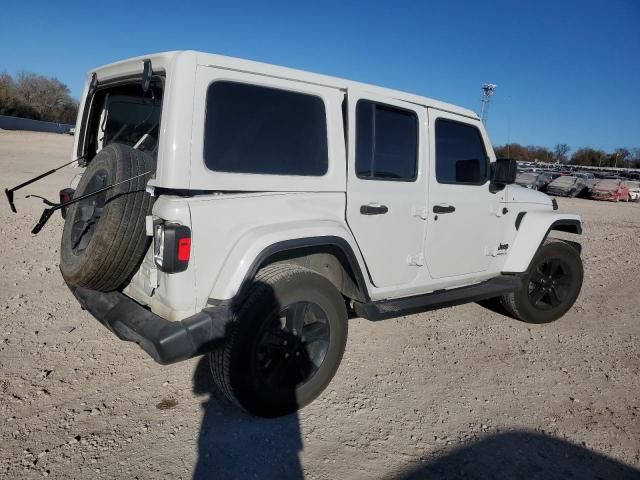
{"x":246,"y":211}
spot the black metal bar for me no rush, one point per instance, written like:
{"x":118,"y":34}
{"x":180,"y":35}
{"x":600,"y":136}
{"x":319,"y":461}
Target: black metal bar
{"x":44,"y":218}
{"x":9,"y":192}
{"x":46,"y":214}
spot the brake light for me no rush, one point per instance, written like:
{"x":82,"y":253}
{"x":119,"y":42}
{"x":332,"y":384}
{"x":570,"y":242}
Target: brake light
{"x":66,"y":195}
{"x":171,"y":247}
{"x":184,"y":249}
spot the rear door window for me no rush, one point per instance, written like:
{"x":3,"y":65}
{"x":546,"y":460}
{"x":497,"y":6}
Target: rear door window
{"x":261,"y":130}
{"x":386,"y":142}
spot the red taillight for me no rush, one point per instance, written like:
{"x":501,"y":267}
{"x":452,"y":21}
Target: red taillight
{"x":184,"y":249}
{"x":171,"y":247}
{"x":66,"y":195}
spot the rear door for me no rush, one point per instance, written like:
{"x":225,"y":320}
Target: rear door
{"x":464,"y":213}
{"x":386,"y":185}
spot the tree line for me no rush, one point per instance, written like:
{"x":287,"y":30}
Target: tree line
{"x":29,"y":95}
{"x":585,"y":156}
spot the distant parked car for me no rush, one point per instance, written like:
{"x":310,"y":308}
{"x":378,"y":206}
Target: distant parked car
{"x":567,"y":186}
{"x":589,"y":180}
{"x":544,"y":179}
{"x":72,"y":131}
{"x":634,"y":190}
{"x":612,"y":190}
{"x":527,"y":180}
{"x":585,"y":175}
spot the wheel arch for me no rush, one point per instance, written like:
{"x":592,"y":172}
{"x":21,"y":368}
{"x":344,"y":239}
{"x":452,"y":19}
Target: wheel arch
{"x":329,"y":256}
{"x":533,"y":228}
{"x":329,"y":251}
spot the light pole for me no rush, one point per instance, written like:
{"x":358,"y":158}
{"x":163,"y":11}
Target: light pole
{"x":488,"y":90}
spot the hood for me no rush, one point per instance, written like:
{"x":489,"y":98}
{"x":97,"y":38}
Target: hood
{"x":518,"y":194}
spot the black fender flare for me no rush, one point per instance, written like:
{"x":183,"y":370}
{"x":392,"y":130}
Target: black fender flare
{"x":563,"y":225}
{"x":310,"y":245}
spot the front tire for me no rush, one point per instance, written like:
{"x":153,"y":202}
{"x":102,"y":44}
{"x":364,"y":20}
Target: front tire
{"x":284,"y":344}
{"x":551,"y":285}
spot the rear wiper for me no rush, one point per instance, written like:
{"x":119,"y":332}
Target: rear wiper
{"x":9,"y":192}
{"x":47,"y":212}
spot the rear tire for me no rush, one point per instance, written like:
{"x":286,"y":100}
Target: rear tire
{"x":284,"y":344}
{"x":551,"y":285}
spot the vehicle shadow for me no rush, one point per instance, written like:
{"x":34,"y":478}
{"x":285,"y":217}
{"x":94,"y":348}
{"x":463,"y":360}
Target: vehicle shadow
{"x":235,"y":445}
{"x":522,"y":454}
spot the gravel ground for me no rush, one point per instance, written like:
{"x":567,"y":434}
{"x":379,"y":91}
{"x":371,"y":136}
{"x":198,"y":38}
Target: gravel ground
{"x":458,"y":393}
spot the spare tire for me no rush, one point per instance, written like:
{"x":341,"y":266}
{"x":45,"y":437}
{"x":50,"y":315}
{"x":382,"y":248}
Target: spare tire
{"x":104,"y":238}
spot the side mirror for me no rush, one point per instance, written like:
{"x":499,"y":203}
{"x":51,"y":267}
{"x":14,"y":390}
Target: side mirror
{"x":503,"y":171}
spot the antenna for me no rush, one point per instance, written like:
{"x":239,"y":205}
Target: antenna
{"x":488,"y":90}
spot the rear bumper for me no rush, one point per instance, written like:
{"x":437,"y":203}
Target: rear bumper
{"x":165,"y":341}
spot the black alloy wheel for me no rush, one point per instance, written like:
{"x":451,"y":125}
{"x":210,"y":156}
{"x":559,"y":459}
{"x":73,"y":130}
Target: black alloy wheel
{"x":292,"y":345}
{"x":283,"y":343}
{"x":549,"y":284}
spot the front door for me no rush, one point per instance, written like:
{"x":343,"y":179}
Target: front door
{"x":463,"y":212}
{"x":386,"y":185}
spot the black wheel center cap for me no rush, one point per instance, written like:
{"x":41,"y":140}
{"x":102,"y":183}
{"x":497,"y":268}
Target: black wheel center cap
{"x":292,"y":345}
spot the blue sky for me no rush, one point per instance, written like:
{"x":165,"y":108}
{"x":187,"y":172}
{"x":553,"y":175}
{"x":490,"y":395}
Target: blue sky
{"x":567,"y":71}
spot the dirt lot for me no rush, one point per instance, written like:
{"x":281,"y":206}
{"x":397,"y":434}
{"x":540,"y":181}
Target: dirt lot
{"x":458,"y":393}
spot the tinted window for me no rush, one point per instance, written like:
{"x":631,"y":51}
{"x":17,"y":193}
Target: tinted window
{"x":386,"y":142}
{"x":460,"y":155}
{"x":251,"y":129}
{"x":129,"y":121}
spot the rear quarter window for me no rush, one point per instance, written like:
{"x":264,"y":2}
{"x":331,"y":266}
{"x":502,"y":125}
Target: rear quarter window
{"x":262,"y":130}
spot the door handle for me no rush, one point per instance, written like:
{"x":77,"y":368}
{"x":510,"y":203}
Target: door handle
{"x":444,"y":209}
{"x":373,"y":209}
